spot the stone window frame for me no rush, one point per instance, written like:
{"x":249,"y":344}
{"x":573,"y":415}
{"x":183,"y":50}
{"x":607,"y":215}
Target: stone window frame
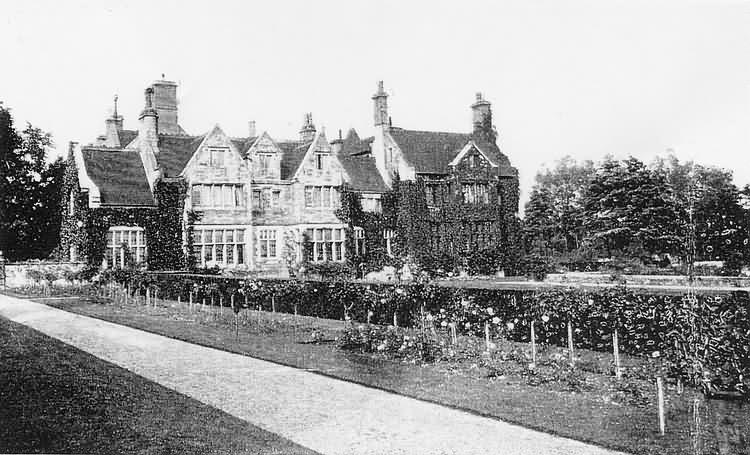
{"x":360,"y":247}
{"x":321,"y":245}
{"x":268,"y":243}
{"x":232,"y":246}
{"x":133,"y":236}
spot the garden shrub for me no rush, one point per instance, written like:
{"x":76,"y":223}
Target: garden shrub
{"x":697,"y":335}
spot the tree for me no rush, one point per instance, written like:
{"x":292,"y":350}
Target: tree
{"x":558,"y":201}
{"x":539,"y":226}
{"x":719,"y":222}
{"x":629,"y":211}
{"x":30,"y":192}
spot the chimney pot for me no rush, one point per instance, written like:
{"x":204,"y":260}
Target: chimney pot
{"x":251,"y":128}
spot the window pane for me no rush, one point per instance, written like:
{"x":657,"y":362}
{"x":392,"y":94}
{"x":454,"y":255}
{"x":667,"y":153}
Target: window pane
{"x":308,"y":196}
{"x":197,"y":236}
{"x":229,"y":236}
{"x":216,"y":195}
{"x":227,"y":192}
{"x":263,"y":248}
{"x":256,"y":199}
{"x":230,"y":254}
{"x":240,"y":254}
{"x":318,"y":234}
{"x":337,"y":234}
{"x":217,"y":236}
{"x":276,"y":201}
{"x":337,"y":251}
{"x":220,"y":254}
{"x":327,"y":250}
{"x":272,"y":248}
{"x":316,"y":196}
{"x":325,"y":196}
{"x":240,"y":235}
{"x":328,"y":234}
{"x":208,"y":254}
{"x":196,"y":195}
{"x":207,"y":235}
{"x":110,"y":238}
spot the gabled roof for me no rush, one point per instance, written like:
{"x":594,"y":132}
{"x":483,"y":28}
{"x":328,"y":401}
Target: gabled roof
{"x":119,"y":175}
{"x":175,"y":152}
{"x":360,"y":168}
{"x":429,"y":151}
{"x":293,"y":152}
{"x":126,"y":137}
{"x":243,"y":144}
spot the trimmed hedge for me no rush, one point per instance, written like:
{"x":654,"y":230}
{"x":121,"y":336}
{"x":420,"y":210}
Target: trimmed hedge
{"x":700,"y":336}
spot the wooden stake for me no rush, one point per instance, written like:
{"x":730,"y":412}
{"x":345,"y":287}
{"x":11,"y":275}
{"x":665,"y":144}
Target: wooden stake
{"x":395,"y":319}
{"x":697,"y":449}
{"x":148,"y":296}
{"x":454,"y":338}
{"x":533,"y":344}
{"x":190,"y":301}
{"x":616,"y":349}
{"x":660,"y":402}
{"x":179,"y":300}
{"x":273,"y":303}
{"x":570,"y":343}
{"x":487,"y":335}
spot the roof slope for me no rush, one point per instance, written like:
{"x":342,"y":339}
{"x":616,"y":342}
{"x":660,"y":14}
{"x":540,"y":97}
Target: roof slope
{"x":175,"y":152}
{"x":429,"y":151}
{"x":363,"y":174}
{"x":126,"y":137}
{"x":119,"y":175}
{"x":292,"y":154}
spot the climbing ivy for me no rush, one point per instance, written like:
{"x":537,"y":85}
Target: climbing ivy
{"x":86,"y":228}
{"x":453,"y":234}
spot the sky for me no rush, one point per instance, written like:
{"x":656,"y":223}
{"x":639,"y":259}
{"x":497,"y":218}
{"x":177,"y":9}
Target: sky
{"x":579,"y":78}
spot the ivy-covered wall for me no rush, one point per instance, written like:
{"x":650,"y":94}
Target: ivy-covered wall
{"x":480,"y":238}
{"x":86,"y":228}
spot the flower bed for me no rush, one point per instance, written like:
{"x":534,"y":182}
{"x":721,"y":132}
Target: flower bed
{"x":701,"y":337}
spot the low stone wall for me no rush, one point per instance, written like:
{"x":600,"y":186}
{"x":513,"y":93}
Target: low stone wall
{"x":656,"y":280}
{"x":16,"y":273}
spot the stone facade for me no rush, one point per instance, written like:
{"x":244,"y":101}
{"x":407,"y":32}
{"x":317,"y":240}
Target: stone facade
{"x":267,"y":205}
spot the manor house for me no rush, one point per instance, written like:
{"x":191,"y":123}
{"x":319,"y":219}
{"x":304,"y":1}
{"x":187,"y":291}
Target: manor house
{"x":263,"y":203}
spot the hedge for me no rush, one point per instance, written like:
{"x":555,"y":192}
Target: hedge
{"x":700,"y":336}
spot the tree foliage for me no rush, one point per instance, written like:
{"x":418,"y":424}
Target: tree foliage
{"x":30,"y":191}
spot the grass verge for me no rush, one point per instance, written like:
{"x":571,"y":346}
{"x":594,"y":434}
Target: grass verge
{"x":57,"y":399}
{"x":588,"y":406}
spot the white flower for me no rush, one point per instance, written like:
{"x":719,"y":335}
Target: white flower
{"x":510,"y":325}
{"x":491,"y":345}
{"x":655,"y":354}
{"x":429,"y":317}
{"x":444,"y":323}
{"x":490,"y":311}
{"x":545,"y":318}
{"x":467,"y":325}
{"x":442,"y":310}
{"x":496,"y":320}
{"x":370,"y":313}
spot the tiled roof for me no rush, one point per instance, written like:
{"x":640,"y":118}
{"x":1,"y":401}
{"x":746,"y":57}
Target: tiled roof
{"x":429,"y":151}
{"x":292,"y":154}
{"x":175,"y":152}
{"x":119,"y":175}
{"x":243,"y":144}
{"x":361,"y":169}
{"x":126,"y":137}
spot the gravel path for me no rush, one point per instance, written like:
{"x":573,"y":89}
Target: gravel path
{"x":324,"y":414}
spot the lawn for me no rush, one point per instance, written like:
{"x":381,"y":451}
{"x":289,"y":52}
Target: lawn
{"x":585,"y":404}
{"x":57,"y":399}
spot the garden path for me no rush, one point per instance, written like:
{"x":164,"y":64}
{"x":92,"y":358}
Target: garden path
{"x":324,"y":414}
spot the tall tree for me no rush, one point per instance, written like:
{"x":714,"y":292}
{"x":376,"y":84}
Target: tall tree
{"x":561,"y":190}
{"x":629,"y":212}
{"x":29,"y":192}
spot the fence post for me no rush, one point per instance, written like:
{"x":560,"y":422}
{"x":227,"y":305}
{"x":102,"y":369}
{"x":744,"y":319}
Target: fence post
{"x":570,"y":344}
{"x":616,"y":348}
{"x":660,"y":403}
{"x":273,"y":303}
{"x":533,"y":344}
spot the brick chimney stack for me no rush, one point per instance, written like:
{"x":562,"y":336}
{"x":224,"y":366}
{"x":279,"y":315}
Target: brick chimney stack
{"x":165,"y":103}
{"x":481,"y":115}
{"x":380,"y":106}
{"x":307,"y":132}
{"x":149,"y":128}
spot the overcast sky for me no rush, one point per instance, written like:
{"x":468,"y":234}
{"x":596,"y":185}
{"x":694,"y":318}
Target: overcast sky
{"x":580,"y":78}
